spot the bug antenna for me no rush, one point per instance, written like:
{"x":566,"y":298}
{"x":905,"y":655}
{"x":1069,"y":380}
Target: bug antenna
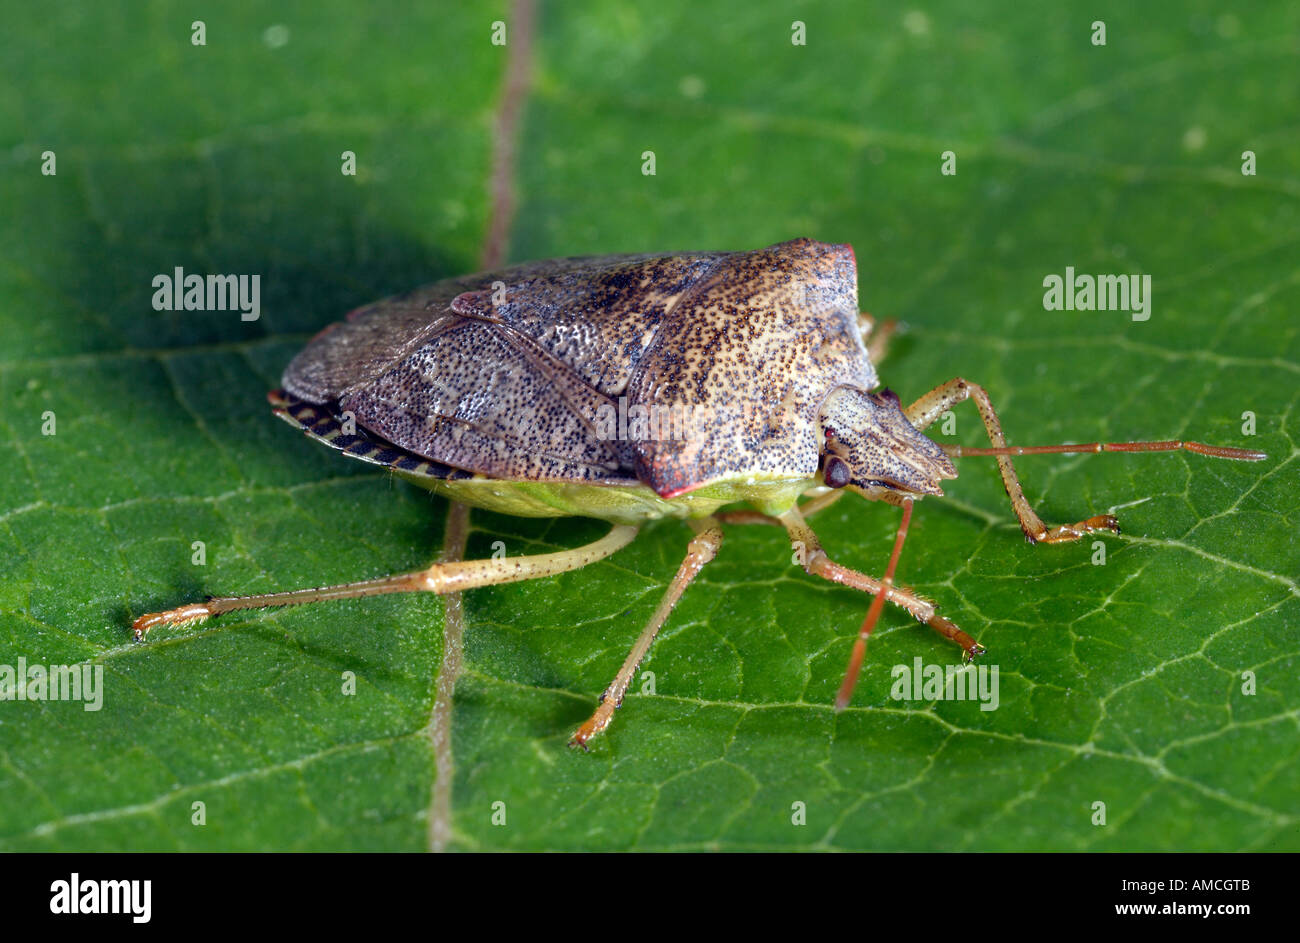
{"x":873,"y":614}
{"x":1170,"y":445}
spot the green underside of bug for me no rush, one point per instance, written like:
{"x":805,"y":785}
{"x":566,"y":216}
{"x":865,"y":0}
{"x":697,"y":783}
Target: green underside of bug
{"x":622,"y":504}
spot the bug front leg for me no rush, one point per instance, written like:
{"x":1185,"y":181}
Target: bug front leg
{"x":934,"y":404}
{"x":816,"y":562}
{"x":702,"y":549}
{"x":876,"y":335}
{"x":438,"y":578}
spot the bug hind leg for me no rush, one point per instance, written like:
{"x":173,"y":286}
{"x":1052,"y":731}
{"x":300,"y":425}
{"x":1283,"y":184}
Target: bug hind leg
{"x":932,"y":405}
{"x":440,"y":578}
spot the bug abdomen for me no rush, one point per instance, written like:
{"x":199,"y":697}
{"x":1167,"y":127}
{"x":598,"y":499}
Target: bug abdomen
{"x":323,"y":425}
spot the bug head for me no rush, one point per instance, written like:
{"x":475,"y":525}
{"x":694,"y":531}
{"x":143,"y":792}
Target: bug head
{"x":868,"y":445}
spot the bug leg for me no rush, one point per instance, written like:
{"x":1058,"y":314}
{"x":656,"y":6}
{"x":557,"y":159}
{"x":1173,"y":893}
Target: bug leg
{"x":932,"y":405}
{"x":873,"y":615}
{"x":877,"y":335}
{"x":451,"y":577}
{"x":820,"y":503}
{"x":703,"y":548}
{"x":815,"y":561}
{"x":746,"y":517}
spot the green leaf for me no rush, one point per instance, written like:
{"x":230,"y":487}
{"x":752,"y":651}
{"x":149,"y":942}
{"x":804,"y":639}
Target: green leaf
{"x":1123,"y":683}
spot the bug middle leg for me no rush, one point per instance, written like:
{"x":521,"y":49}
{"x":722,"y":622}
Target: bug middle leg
{"x":816,"y":562}
{"x":449,"y":577}
{"x":703,"y":548}
{"x":932,"y":405}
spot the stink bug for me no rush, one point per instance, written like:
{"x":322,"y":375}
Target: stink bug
{"x":715,"y":387}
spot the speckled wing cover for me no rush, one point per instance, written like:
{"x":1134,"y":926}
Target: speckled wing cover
{"x":512,"y":389}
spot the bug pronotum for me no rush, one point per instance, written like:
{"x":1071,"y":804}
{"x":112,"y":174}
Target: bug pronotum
{"x":717,"y":387}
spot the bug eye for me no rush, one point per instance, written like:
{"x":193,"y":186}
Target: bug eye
{"x":836,"y":474}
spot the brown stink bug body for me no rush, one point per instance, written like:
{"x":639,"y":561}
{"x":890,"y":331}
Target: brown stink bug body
{"x":631,"y":388}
